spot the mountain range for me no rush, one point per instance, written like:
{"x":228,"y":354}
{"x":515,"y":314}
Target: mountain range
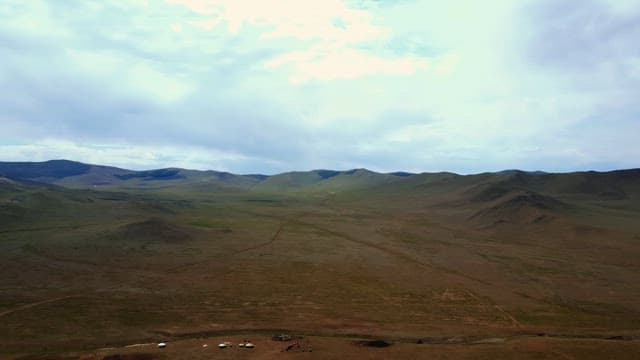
{"x":71,"y":174}
{"x":110,"y":257}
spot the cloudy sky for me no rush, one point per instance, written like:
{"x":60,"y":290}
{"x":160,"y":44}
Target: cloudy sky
{"x":276,"y":85}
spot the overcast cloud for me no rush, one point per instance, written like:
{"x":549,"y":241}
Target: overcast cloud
{"x":270,"y":86}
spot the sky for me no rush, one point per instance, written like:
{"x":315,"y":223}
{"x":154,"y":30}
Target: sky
{"x":277,"y":85}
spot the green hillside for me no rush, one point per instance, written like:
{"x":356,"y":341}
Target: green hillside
{"x":183,"y":255}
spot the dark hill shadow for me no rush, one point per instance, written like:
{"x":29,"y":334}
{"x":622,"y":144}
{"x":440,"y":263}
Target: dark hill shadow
{"x":155,"y":230}
{"x":517,"y":207}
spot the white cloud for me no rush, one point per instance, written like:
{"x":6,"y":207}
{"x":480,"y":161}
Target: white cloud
{"x":329,"y":20}
{"x":416,"y":84}
{"x":166,"y":88}
{"x":330,"y":62}
{"x":330,"y":33}
{"x":31,"y":19}
{"x":139,"y":77}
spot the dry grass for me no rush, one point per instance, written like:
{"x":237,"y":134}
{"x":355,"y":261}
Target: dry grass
{"x":101,"y":274}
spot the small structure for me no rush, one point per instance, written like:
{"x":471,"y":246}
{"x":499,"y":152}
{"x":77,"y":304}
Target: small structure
{"x":162,"y":345}
{"x":282,"y":337}
{"x":224,"y":345}
{"x":246,"y":344}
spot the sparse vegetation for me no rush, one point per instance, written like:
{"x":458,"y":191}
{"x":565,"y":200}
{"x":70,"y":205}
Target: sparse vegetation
{"x":340,"y":257}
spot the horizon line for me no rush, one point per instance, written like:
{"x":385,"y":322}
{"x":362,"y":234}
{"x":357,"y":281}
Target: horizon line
{"x":410,"y":173}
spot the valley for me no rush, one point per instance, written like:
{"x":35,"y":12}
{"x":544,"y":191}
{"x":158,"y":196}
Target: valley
{"x":471,"y":266}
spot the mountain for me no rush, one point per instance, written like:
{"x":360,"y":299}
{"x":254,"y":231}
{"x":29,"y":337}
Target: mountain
{"x":60,"y":172}
{"x":79,"y":175}
{"x":73,"y":174}
{"x":53,"y":169}
{"x":117,"y":257}
{"x":325,"y":181}
{"x":487,"y":200}
{"x":613,"y":185}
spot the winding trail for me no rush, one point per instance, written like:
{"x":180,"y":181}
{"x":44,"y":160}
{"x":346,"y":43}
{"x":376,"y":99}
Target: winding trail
{"x":514,"y":321}
{"x":261,"y":245}
{"x":271,"y":240}
{"x":392,"y":252}
{"x":46,"y":228}
{"x":38,"y":303}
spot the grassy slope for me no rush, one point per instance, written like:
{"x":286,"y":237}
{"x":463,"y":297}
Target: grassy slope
{"x":401,"y":256}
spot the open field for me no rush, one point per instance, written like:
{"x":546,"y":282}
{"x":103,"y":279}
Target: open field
{"x":530,"y":266}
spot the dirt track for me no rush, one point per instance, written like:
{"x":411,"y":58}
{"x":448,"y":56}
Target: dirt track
{"x":332,"y":346}
{"x":29,"y":306}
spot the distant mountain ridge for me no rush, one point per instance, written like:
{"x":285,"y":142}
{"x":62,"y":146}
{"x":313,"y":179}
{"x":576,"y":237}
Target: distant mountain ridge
{"x":613,"y":185}
{"x":48,"y":169}
{"x":80,"y":175}
{"x":510,"y":199}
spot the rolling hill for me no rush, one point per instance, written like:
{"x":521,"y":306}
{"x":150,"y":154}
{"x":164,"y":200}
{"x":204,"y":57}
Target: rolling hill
{"x":462,"y":266}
